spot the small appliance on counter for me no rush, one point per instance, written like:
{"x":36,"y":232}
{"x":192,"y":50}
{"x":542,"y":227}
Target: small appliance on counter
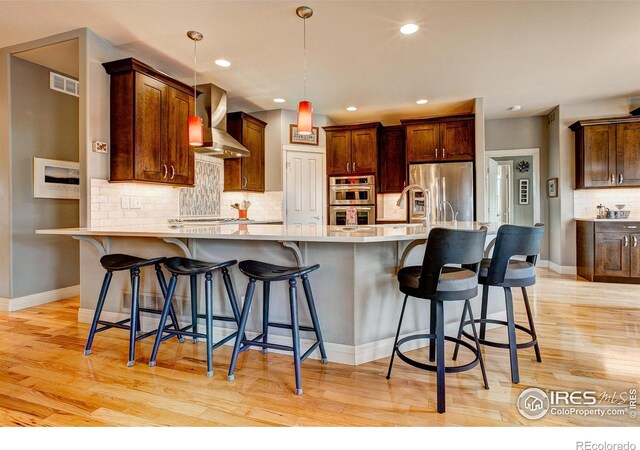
{"x":606,"y":213}
{"x":348,"y":193}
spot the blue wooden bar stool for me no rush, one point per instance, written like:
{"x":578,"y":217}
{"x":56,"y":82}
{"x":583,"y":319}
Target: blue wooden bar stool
{"x":502,"y":271}
{"x":192,"y":268}
{"x":260,"y":271}
{"x":449,"y":272}
{"x":114,"y":263}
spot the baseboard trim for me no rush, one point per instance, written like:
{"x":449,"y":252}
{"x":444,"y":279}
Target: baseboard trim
{"x":28,"y":301}
{"x":563,"y":270}
{"x":339,"y":353}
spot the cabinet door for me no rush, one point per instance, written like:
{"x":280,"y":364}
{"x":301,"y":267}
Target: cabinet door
{"x":628,"y":154}
{"x":338,"y":152}
{"x":364,"y":151}
{"x":150,"y":132}
{"x":392,"y":173}
{"x":457,"y":141}
{"x":180,"y":156}
{"x":634,"y":270}
{"x":612,"y":254}
{"x":423,"y":142}
{"x":600,"y":156}
{"x":253,"y":166}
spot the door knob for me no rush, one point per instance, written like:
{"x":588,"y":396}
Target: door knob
{"x":316,"y":217}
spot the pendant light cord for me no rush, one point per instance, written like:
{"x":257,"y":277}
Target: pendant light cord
{"x":304,"y":40}
{"x":195,"y":74}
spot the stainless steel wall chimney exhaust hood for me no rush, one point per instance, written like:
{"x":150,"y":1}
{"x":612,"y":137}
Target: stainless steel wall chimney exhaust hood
{"x":212,"y":107}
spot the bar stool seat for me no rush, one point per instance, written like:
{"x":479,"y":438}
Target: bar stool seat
{"x":265,"y":272}
{"x":517,"y":272}
{"x":178,"y":266}
{"x":118,"y":262}
{"x":451,"y":279}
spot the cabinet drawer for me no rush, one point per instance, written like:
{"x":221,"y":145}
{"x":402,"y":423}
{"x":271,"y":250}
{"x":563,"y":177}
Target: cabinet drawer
{"x":622,"y":226}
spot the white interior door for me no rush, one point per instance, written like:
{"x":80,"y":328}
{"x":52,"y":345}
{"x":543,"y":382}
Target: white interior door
{"x":492,"y":182}
{"x":505,"y":191}
{"x":304,"y":185}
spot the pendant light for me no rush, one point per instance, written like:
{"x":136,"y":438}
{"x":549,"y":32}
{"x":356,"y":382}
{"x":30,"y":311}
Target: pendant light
{"x":195,"y":122}
{"x":305,"y":108}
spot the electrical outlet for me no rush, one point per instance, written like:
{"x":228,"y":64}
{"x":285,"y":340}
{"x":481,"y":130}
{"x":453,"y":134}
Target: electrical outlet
{"x":124,"y":202}
{"x":135,"y":203}
{"x":100,"y":147}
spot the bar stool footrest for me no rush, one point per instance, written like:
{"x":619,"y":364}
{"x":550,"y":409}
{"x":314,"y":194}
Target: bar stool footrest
{"x":531,"y":343}
{"x":288,"y":326}
{"x":433,"y":367}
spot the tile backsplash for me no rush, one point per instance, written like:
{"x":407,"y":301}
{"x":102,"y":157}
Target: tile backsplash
{"x":204,"y":198}
{"x":264,"y":206}
{"x":387,"y":208}
{"x":585,"y":201}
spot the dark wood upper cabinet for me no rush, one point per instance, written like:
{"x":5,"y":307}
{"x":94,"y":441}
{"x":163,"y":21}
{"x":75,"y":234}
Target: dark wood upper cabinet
{"x":432,"y":139}
{"x":607,"y":152}
{"x":392,"y":164}
{"x":149,"y":112}
{"x":246,"y":174}
{"x":352,"y":149}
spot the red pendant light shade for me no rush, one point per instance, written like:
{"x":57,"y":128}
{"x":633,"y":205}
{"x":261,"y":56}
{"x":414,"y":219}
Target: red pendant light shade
{"x":195,"y":131}
{"x":305,"y":117}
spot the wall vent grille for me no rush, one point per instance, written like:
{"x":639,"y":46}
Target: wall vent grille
{"x":64,"y":84}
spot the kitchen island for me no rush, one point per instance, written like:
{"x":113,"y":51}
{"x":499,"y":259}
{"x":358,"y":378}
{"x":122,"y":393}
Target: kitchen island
{"x":356,"y":291}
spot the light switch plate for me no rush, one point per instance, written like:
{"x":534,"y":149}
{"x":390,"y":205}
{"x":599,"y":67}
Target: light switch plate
{"x":135,"y":203}
{"x":100,"y":147}
{"x":125,"y":202}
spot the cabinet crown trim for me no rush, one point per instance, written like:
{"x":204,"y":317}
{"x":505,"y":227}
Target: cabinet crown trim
{"x":607,"y":121}
{"x":129,"y":64}
{"x":452,"y":118}
{"x":354,"y":126}
{"x":244,"y":116}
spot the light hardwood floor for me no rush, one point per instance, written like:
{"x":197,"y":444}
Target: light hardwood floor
{"x":589,"y":335}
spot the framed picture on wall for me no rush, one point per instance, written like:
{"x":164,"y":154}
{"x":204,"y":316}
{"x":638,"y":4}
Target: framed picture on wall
{"x":523,"y":191}
{"x":552,"y":187}
{"x":307,"y":139}
{"x":56,"y":179}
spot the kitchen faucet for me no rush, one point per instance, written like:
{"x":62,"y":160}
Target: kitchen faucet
{"x":454,"y":215}
{"x":427,"y":194}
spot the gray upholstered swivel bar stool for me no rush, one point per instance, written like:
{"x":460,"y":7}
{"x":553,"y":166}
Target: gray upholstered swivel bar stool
{"x":439,"y":281}
{"x":192,"y":268}
{"x":502,"y":271}
{"x":114,"y":263}
{"x":260,"y":271}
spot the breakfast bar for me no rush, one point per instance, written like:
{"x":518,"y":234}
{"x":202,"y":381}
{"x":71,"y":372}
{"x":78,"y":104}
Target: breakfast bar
{"x":356,"y":290}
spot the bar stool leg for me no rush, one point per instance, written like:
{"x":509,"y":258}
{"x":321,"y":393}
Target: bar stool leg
{"x":163,"y":319}
{"x":295,"y":331}
{"x":314,"y":316}
{"x":231,"y":294}
{"x":98,"y":311}
{"x":266,"y":288}
{"x":532,"y":327}
{"x":395,"y":343}
{"x":133,"y":322}
{"x":208,"y":299}
{"x":172,"y":312}
{"x":477,"y":341}
{"x":243,"y":324}
{"x":460,"y":328}
{"x":432,"y":330}
{"x":483,"y":311}
{"x":194,"y":306}
{"x":511,"y":329}
{"x":440,"y":367}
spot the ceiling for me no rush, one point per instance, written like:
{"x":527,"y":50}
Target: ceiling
{"x":61,"y":57}
{"x":534,"y":54}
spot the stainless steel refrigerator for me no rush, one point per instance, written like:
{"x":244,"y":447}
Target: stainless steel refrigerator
{"x":447,"y":182}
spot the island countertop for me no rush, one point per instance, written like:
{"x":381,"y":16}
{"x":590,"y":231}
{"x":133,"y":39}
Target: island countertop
{"x":273,"y":232}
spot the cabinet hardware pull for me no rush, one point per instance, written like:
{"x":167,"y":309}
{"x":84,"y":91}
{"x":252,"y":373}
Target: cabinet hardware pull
{"x":631,"y":227}
{"x":444,"y":155}
{"x":436,"y":153}
{"x":620,"y":179}
{"x":613,"y":179}
{"x":348,"y":166}
{"x":173,"y":171}
{"x":244,"y":185}
{"x":165,"y":171}
{"x":635,"y":241}
{"x":625,"y":241}
{"x":354,"y":166}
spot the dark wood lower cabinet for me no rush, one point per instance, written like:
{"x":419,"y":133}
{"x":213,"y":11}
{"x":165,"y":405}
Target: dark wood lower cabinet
{"x":608,"y":251}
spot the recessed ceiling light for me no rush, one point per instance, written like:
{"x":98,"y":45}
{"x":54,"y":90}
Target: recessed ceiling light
{"x":422,"y":101}
{"x":279,"y":100}
{"x":222,"y":62}
{"x":515,"y":108}
{"x":351,"y":108}
{"x":409,"y":28}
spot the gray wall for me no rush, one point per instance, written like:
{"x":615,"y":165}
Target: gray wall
{"x":44,"y":123}
{"x":519,"y":133}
